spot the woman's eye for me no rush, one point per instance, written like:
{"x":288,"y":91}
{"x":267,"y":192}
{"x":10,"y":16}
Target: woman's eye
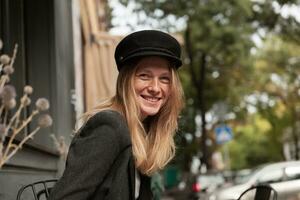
{"x":165,"y":79}
{"x":143,"y":76}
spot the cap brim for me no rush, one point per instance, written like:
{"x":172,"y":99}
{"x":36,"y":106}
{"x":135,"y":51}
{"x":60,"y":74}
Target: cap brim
{"x":172,"y":58}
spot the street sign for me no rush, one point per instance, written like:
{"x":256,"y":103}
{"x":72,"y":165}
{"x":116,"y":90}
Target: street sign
{"x":223,"y":134}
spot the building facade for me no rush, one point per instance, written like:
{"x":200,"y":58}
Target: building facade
{"x":43,"y":32}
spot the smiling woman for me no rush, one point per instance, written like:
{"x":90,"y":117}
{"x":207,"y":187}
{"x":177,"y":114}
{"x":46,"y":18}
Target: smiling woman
{"x":128,"y":138}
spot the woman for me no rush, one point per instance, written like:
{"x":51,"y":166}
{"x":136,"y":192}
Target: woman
{"x":129,"y":137}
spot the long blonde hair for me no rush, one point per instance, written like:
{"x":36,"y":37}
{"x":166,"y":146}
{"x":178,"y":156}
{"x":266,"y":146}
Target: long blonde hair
{"x":153,"y":143}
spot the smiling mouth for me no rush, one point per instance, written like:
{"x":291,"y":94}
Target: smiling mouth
{"x":151,"y":99}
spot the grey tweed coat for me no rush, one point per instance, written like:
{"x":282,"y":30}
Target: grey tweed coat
{"x":100,"y":163}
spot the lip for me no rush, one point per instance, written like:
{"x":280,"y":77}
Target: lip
{"x":151,"y":99}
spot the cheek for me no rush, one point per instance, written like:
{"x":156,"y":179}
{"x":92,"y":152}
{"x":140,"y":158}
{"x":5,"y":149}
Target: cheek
{"x":137,"y":86}
{"x":167,"y":91}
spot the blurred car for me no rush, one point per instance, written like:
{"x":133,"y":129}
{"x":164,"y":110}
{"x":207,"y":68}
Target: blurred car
{"x":205,"y":184}
{"x":242,"y":175}
{"x":284,"y":177}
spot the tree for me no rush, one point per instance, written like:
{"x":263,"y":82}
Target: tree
{"x":280,"y":62}
{"x":276,"y":97}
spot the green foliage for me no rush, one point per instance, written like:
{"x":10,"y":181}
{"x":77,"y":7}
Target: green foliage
{"x":254,"y":144}
{"x":279,"y":67}
{"x":261,"y":137}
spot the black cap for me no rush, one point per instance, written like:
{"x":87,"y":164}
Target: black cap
{"x":147,"y":43}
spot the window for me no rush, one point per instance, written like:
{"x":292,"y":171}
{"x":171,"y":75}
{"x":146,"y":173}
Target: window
{"x":43,"y":32}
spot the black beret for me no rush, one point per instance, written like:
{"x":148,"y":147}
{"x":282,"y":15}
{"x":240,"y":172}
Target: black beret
{"x":147,"y":43}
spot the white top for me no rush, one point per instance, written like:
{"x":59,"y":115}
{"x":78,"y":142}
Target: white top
{"x":137,"y":184}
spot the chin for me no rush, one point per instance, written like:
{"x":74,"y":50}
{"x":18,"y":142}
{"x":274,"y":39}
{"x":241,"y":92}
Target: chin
{"x":152,"y":112}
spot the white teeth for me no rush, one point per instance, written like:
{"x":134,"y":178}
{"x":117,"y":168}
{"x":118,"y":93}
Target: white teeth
{"x":152,"y":99}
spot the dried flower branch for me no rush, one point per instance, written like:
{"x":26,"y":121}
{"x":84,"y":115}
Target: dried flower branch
{"x":13,"y":124}
{"x":60,"y":145}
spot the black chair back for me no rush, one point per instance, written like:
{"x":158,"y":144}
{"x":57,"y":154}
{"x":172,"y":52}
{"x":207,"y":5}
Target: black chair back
{"x":38,"y":190}
{"x":259,"y":192}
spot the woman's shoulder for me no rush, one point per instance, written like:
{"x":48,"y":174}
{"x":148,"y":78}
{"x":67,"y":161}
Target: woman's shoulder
{"x":111,"y":120}
{"x":107,"y":117}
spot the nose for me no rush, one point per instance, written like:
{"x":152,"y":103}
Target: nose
{"x":154,"y":86}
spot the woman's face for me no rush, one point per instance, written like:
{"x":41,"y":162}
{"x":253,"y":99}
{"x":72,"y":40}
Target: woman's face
{"x":152,"y":84}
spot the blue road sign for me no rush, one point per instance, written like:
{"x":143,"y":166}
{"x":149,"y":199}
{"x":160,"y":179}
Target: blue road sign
{"x":223,"y":134}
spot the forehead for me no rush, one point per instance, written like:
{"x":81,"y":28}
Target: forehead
{"x":154,"y":63}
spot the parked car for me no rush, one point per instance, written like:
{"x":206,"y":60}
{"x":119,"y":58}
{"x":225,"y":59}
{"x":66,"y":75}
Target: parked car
{"x":284,"y":177}
{"x":205,"y":184}
{"x":241,"y":175}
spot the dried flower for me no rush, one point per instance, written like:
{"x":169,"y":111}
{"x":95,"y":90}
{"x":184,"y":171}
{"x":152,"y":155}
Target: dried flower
{"x":61,"y":145}
{"x":8,"y":69}
{"x":44,"y":120}
{"x":10,"y":104}
{"x":7,"y":78}
{"x":42,"y":104}
{"x":2,"y":132}
{"x":25,"y":100}
{"x":1,"y":44}
{"x":4,"y":59}
{"x":13,"y":121}
{"x":8,"y":92}
{"x":28,"y":89}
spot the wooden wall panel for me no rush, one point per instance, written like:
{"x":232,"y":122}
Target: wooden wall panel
{"x":99,"y":66}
